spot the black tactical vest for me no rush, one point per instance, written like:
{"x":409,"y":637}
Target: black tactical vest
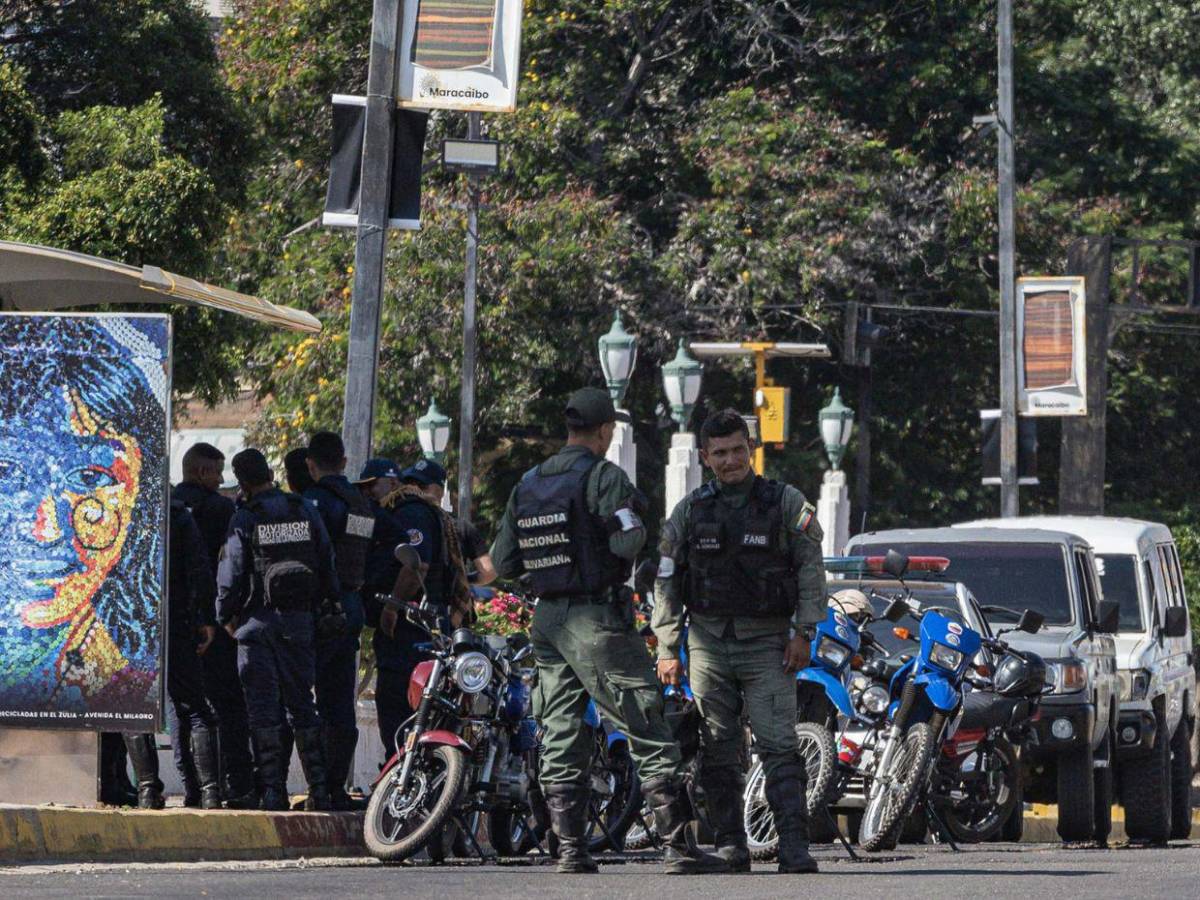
{"x":181,"y":616}
{"x":736,"y":566}
{"x":563,"y":545}
{"x":285,"y":556}
{"x":350,"y":548}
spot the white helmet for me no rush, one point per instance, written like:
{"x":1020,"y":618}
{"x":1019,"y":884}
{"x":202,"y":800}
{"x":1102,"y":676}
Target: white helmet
{"x":853,"y":603}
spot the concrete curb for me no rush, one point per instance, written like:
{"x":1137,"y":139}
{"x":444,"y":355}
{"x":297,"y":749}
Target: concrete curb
{"x":1041,"y":824}
{"x":47,"y":833}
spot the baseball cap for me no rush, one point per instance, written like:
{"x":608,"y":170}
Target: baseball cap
{"x":424,"y":471}
{"x":589,"y":407}
{"x":378,"y":468}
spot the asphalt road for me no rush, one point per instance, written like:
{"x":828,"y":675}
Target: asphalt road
{"x":999,"y":871}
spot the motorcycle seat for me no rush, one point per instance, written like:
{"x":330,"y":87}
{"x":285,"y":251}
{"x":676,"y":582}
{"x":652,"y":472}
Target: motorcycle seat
{"x":987,"y":709}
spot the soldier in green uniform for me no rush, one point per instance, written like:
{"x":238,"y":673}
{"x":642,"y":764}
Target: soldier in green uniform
{"x":573,"y":525}
{"x":741,"y":556}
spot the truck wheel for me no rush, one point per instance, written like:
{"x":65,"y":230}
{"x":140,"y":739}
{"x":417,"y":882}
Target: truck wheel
{"x":1181,"y":782}
{"x":1076,"y":795}
{"x":1146,"y":787}
{"x":1102,"y":781}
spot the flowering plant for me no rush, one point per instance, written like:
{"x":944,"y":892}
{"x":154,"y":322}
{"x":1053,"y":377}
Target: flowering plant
{"x":503,"y":614}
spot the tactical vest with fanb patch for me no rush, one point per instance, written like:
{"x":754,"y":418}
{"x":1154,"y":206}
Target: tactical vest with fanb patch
{"x":285,"y":556}
{"x":563,"y":545}
{"x":350,"y":548}
{"x":737,"y":564}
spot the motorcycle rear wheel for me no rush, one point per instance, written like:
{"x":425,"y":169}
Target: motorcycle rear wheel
{"x":397,"y":826}
{"x":889,"y":805}
{"x":820,"y":764}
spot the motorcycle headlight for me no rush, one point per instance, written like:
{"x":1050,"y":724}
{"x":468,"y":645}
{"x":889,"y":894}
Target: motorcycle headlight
{"x":859,"y":683}
{"x":874,"y":699}
{"x":831,"y":652}
{"x":1135,"y":683}
{"x":1066,"y":676}
{"x":472,"y":672}
{"x":945,"y":657}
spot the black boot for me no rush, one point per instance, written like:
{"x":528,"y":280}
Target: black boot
{"x":208,"y":773}
{"x":115,"y":787}
{"x":144,"y":756}
{"x":312,"y":759}
{"x":786,"y":796}
{"x":724,"y":789}
{"x":339,"y":756}
{"x":568,"y":804}
{"x":673,"y":818}
{"x":268,"y":765}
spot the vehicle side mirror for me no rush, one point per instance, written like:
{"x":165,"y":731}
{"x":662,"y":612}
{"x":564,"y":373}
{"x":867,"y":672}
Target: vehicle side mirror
{"x":1176,"y":624}
{"x":1031,"y":622}
{"x":643,"y":578}
{"x":895,"y":611}
{"x":895,"y":564}
{"x":1110,"y":617}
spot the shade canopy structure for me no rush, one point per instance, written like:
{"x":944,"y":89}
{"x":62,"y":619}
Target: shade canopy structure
{"x":706,"y":350}
{"x":43,"y":279}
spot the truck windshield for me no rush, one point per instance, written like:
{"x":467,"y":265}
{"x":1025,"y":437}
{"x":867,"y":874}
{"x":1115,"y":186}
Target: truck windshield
{"x":1015,"y":576}
{"x":1118,"y":581}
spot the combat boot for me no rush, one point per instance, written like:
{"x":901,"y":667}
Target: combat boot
{"x":208,"y":773}
{"x":144,"y":756}
{"x":786,"y":797}
{"x":724,"y":790}
{"x":339,"y":758}
{"x":269,"y":767}
{"x":311,"y":751}
{"x":673,"y":818}
{"x":568,"y":804}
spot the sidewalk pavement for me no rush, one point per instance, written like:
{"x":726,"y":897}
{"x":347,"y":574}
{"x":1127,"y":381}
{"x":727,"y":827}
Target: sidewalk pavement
{"x":51,"y":833}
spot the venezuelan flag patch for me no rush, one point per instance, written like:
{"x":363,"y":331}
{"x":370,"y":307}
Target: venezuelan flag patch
{"x":808,"y":513}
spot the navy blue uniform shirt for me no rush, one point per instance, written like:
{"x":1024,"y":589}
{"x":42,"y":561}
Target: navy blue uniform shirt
{"x":212,"y":513}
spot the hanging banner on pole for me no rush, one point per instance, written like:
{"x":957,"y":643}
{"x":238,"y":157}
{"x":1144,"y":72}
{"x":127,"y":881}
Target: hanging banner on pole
{"x":460,"y":54}
{"x":345,"y":166}
{"x":1051,"y":350}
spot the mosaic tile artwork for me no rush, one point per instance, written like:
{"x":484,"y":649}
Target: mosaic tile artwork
{"x":84,"y":404}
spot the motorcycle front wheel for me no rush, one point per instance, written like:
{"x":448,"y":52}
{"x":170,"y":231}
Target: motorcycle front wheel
{"x":819,"y":755}
{"x":891,"y":799}
{"x":398,"y":824}
{"x":986,"y":798}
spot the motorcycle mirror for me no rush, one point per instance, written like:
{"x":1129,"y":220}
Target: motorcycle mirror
{"x":895,"y":564}
{"x":643,"y":578}
{"x":895,"y":611}
{"x":903,"y":633}
{"x":1031,"y":621}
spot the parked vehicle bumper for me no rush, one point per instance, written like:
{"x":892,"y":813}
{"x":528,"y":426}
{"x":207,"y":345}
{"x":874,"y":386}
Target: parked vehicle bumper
{"x":1062,"y":723}
{"x":1136,"y":732}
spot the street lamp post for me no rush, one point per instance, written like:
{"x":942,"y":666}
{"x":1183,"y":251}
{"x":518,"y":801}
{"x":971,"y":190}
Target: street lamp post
{"x":433,"y":431}
{"x":833,"y":510}
{"x":618,"y":356}
{"x":681,"y":382}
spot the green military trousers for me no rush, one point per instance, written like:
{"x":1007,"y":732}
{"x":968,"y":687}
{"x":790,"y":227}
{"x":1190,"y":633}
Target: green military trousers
{"x":587,"y":649}
{"x":726,"y":673}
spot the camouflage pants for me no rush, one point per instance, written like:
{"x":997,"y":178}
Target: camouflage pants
{"x":587,"y":649}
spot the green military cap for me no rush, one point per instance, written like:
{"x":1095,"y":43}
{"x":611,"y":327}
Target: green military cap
{"x":589,"y":407}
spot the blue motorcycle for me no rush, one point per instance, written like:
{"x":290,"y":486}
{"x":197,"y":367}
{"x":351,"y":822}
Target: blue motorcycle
{"x":924,"y":697}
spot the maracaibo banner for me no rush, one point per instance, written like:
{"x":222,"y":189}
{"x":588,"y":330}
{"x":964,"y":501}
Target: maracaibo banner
{"x":84,"y":419}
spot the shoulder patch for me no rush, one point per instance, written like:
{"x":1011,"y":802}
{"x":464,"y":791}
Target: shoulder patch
{"x":666,"y":567}
{"x":416,"y":537}
{"x":808,"y":515}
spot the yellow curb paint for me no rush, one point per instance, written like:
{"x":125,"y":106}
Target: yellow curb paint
{"x":195,"y":832}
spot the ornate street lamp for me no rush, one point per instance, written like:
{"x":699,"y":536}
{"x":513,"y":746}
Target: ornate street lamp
{"x":837,"y":424}
{"x":433,"y":431}
{"x":618,"y":356}
{"x":681,"y":381}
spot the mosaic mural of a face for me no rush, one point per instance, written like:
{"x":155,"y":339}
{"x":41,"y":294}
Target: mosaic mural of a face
{"x":82,"y":450}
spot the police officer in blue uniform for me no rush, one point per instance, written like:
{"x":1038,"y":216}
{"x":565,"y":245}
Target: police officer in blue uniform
{"x":276,"y":569}
{"x":350,"y":523}
{"x":409,"y":517}
{"x":203,"y":474}
{"x":189,"y":609}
